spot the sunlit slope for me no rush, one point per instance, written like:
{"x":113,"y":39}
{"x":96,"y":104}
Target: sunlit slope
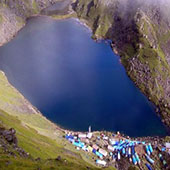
{"x":38,"y":146}
{"x":36,"y":135}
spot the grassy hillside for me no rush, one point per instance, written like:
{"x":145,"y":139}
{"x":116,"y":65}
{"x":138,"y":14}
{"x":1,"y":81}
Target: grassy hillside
{"x":36,"y":135}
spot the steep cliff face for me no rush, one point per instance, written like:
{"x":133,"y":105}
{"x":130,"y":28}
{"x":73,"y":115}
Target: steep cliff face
{"x":140,"y":34}
{"x":13,"y":14}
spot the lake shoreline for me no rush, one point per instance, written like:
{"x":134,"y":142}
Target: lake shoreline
{"x":73,"y":18}
{"x":81,"y":21}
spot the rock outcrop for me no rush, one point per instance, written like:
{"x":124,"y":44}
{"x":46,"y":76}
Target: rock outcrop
{"x":13,"y":15}
{"x":9,"y":135}
{"x":9,"y":143}
{"x":140,"y":34}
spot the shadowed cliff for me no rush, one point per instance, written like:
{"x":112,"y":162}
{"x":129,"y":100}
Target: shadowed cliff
{"x":140,"y":34}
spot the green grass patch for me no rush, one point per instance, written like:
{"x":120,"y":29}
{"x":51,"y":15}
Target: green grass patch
{"x":1,"y":18}
{"x":38,"y":146}
{"x":36,"y":135}
{"x":35,"y":7}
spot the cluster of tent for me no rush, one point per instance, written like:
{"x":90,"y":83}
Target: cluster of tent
{"x":118,"y":149}
{"x":76,"y":142}
{"x":126,"y":148}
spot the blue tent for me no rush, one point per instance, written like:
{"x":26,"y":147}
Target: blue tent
{"x":99,"y":154}
{"x":148,"y":166}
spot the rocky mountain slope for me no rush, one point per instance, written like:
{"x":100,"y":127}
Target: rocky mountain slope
{"x":13,"y":15}
{"x":140,"y":34}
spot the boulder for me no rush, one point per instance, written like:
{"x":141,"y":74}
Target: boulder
{"x":58,"y":158}
{"x":9,"y":138}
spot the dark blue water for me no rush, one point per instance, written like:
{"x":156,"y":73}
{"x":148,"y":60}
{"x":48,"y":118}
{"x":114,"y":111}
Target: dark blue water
{"x":74,"y":81}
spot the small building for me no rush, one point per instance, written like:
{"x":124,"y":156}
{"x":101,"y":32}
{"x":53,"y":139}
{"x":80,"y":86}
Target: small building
{"x":89,"y":129}
{"x":85,"y":140}
{"x":78,"y":144}
{"x":90,"y":148}
{"x":104,"y":142}
{"x":75,"y":137}
{"x":89,"y":135}
{"x":118,"y":156}
{"x":71,"y":140}
{"x":169,"y":151}
{"x":105,"y":137}
{"x":82,"y":135}
{"x":69,"y":137}
{"x":101,"y":162}
{"x":103,"y":152}
{"x":112,"y":141}
{"x":85,"y":148}
{"x":94,"y":151}
{"x":167,"y":145}
{"x":99,"y":155}
{"x":110,"y":148}
{"x":95,"y":147}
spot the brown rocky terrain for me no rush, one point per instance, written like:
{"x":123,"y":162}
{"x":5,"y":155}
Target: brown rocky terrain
{"x":13,"y":15}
